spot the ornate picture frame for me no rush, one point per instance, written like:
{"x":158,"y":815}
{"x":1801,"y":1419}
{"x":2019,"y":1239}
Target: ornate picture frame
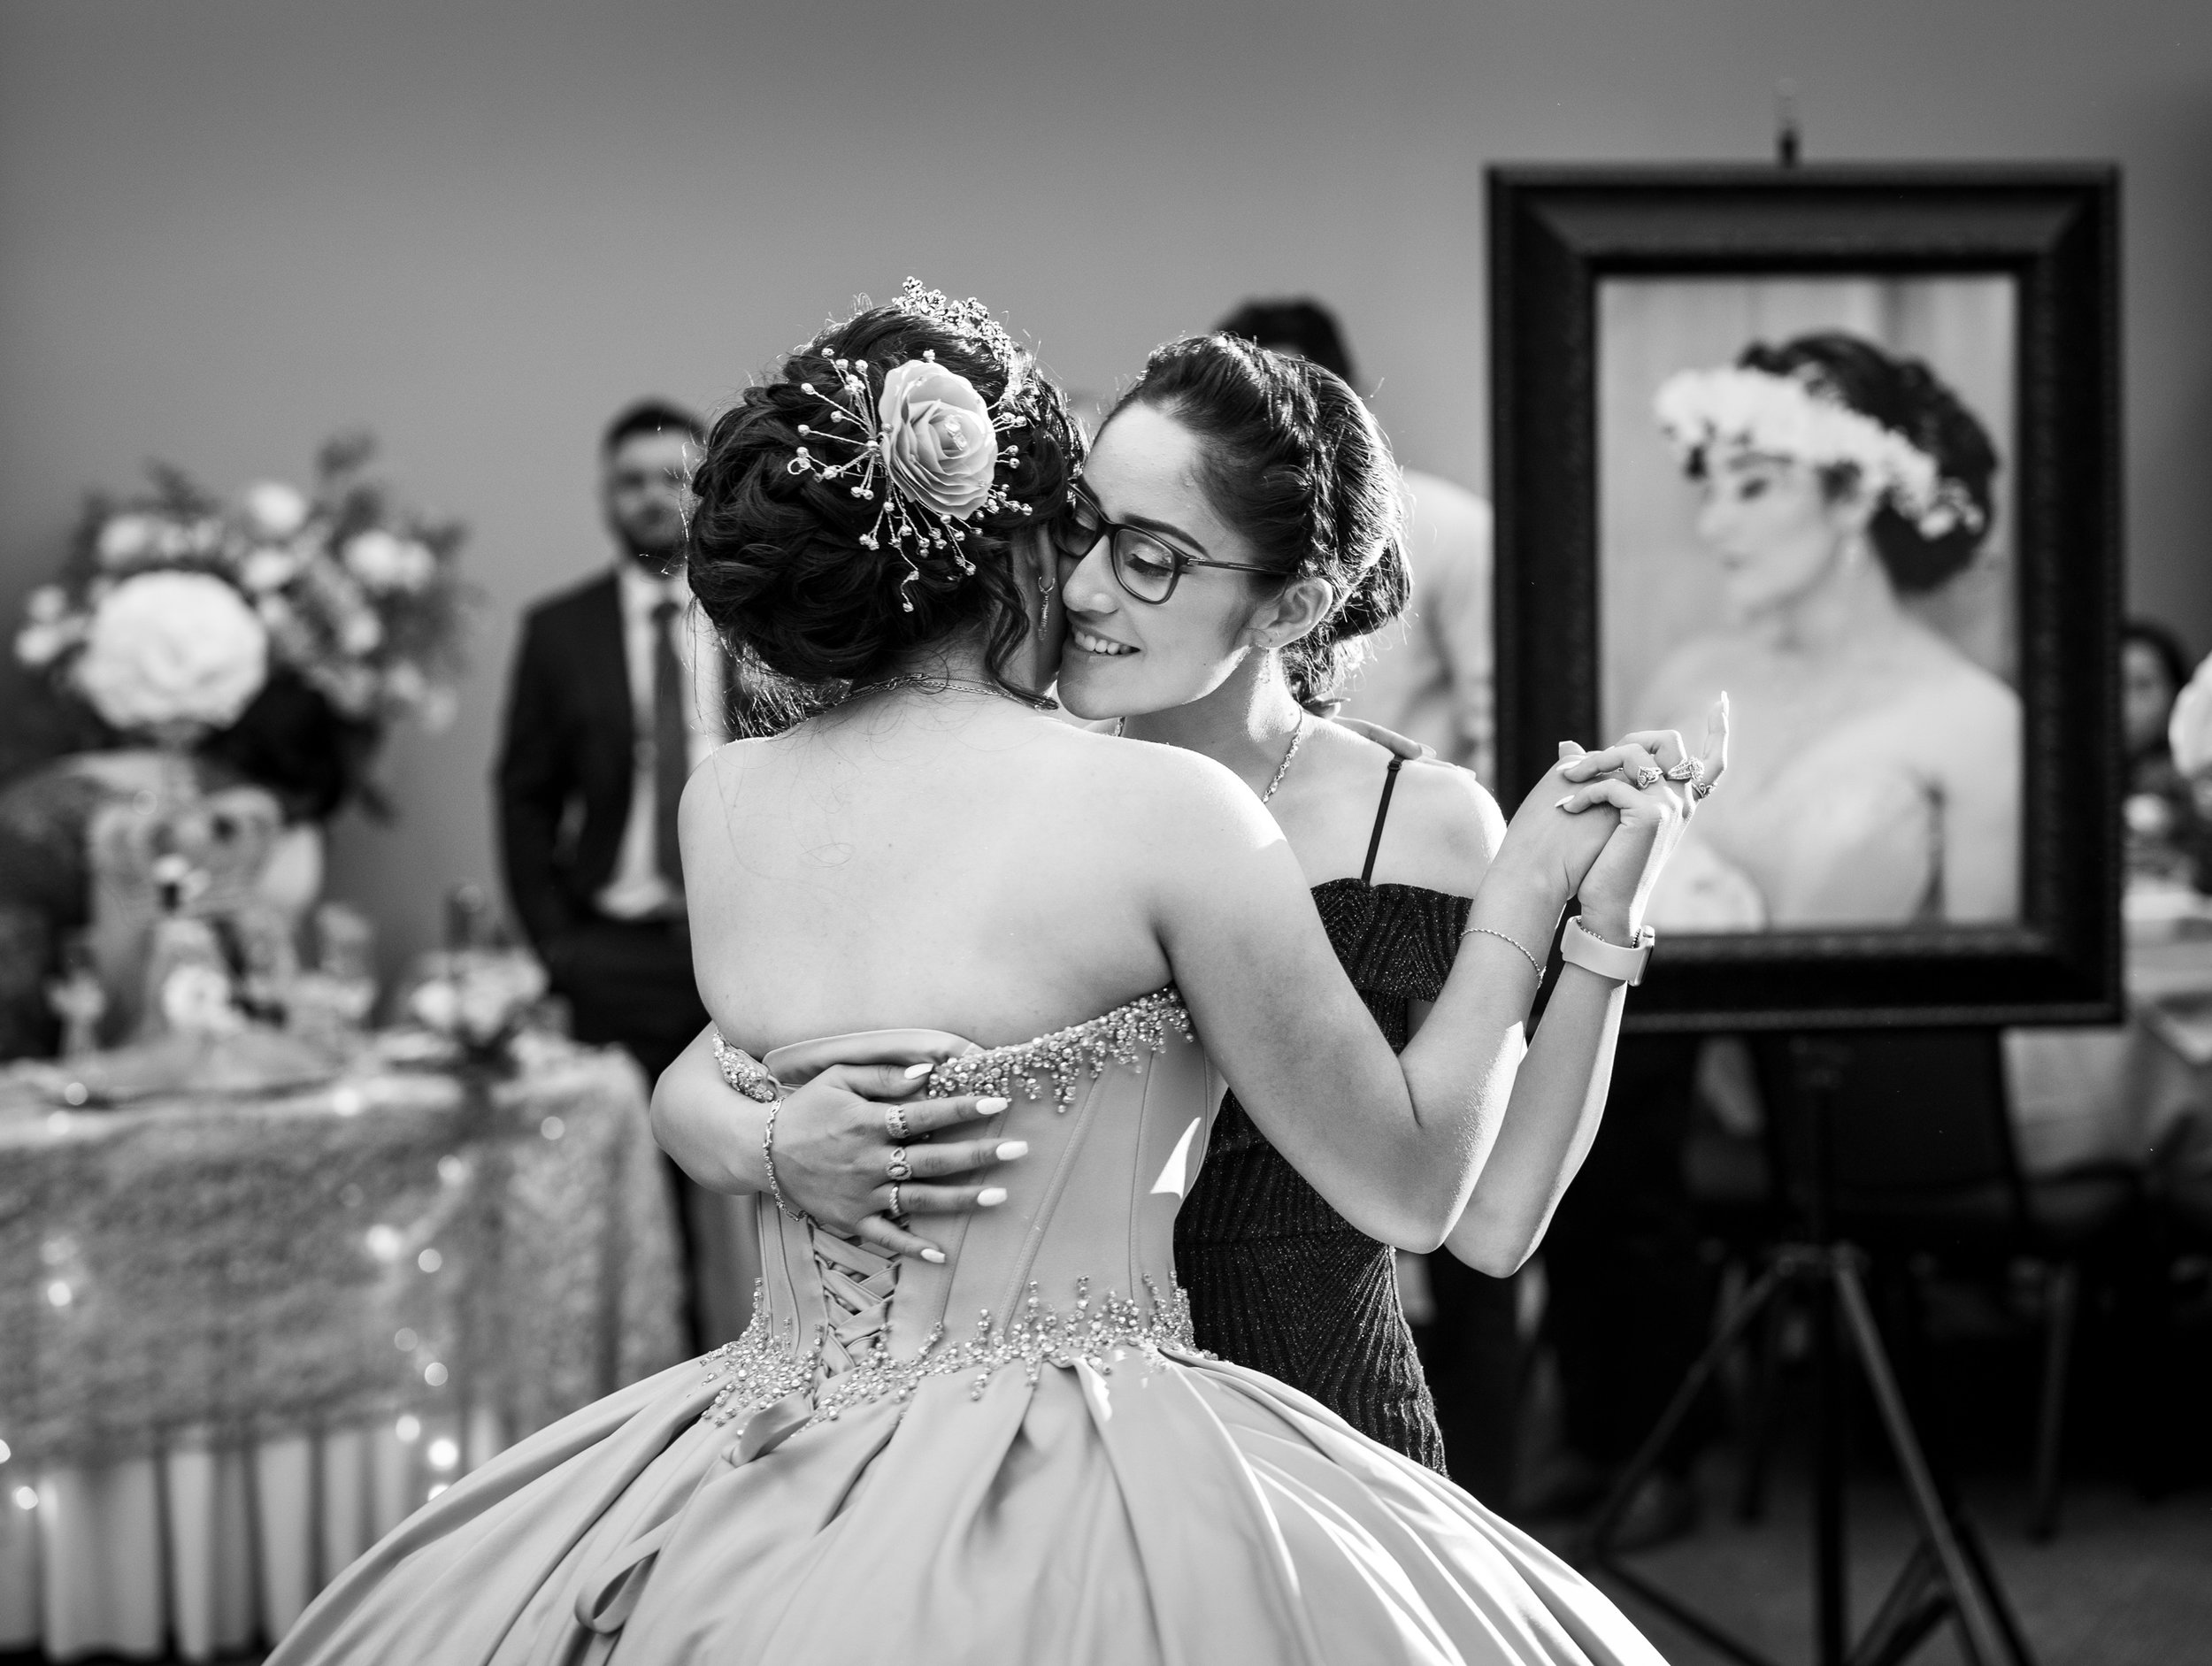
{"x":2003,"y":283}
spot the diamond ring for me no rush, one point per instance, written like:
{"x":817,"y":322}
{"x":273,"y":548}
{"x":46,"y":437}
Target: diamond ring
{"x":895,"y":1119}
{"x":1650,"y":777}
{"x":898,"y":1169}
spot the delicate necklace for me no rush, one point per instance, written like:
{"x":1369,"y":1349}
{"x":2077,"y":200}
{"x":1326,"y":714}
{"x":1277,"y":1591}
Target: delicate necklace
{"x":1297,"y":740}
{"x":947,"y":685}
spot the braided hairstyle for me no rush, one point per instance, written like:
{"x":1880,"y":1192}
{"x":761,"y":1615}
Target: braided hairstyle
{"x":1902,"y":395}
{"x":1291,"y":458}
{"x":775,"y":557}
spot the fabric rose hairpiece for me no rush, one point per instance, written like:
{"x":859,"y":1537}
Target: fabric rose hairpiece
{"x":1783,"y":417}
{"x":923,"y":447}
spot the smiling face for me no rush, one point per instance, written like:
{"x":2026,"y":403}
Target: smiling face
{"x":1125,"y":658}
{"x":1777,"y":527}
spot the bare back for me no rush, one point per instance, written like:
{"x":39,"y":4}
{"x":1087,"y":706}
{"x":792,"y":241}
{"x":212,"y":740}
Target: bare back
{"x":983,"y":870}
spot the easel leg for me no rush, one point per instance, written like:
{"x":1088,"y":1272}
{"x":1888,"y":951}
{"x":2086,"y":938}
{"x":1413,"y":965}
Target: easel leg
{"x":1984,"y":1642}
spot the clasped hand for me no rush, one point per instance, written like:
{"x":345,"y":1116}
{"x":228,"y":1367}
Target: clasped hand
{"x":834,"y":1147}
{"x":1611,"y":863}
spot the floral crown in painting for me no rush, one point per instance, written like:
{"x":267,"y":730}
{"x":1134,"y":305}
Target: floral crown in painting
{"x":1799,"y":417}
{"x":920,"y":441}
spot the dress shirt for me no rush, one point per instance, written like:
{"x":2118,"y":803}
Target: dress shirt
{"x":638,"y":889}
{"x":1428,"y":675}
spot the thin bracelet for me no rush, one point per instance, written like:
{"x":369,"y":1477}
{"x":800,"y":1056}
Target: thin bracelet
{"x":768,"y":1157}
{"x":1491,"y":930}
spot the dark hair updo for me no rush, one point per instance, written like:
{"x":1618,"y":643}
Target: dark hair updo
{"x":1291,"y":458}
{"x":1902,"y":395}
{"x":776,"y":558}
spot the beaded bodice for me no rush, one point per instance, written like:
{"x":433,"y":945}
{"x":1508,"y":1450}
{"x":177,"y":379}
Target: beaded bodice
{"x":1078,"y":1262}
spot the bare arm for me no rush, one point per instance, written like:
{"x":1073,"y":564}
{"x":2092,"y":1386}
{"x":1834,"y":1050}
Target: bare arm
{"x":1559,"y":1088}
{"x":833,"y":1144}
{"x":1397,"y":1144}
{"x":1981,"y":815}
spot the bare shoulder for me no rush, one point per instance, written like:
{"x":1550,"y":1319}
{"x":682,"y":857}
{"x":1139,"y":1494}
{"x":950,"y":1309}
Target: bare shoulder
{"x":1443,"y":829}
{"x":1957,"y":702}
{"x":1160,"y":792}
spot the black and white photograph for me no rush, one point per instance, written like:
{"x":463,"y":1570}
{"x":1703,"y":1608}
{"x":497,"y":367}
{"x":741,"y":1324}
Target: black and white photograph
{"x":1177,"y":834}
{"x":1781,"y":460}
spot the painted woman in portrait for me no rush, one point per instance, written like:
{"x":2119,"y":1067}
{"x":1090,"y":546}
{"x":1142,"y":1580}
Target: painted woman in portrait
{"x":1876,"y":776}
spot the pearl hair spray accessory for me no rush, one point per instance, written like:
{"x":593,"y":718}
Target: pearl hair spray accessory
{"x":1798,"y":417}
{"x":924,"y":446}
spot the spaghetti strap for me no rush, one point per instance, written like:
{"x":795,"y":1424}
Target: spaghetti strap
{"x":1382,"y":814}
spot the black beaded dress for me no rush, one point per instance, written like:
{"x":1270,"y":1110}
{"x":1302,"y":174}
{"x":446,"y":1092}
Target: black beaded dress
{"x":1276,"y":1280}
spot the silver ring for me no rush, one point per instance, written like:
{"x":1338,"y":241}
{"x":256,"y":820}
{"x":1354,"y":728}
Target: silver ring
{"x":898,"y":1169}
{"x":1687,"y":769}
{"x":895,"y":1119}
{"x":1650,"y":777}
{"x":1700,"y":788}
{"x":893,"y":1209}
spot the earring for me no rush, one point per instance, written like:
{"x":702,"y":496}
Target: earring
{"x":1044,"y":601}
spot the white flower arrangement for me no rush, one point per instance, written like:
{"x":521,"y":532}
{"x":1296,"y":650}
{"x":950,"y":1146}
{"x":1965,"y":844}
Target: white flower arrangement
{"x":2189,"y":730}
{"x":1782,"y":416}
{"x":172,"y":648}
{"x":175,"y":607}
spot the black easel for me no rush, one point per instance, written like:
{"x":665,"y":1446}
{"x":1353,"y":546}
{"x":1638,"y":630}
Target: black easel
{"x":1947,"y":1574}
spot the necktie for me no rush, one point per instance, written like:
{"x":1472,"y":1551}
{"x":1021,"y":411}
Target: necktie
{"x":671,"y":745}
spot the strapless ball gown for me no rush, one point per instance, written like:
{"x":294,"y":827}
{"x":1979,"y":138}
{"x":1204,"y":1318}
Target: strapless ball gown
{"x":1016,"y":1456}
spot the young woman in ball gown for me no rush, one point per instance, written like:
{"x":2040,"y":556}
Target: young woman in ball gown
{"x":1275,"y":463}
{"x":1013,"y":1451}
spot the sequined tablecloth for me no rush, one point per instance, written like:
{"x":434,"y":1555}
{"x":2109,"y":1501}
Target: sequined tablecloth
{"x":398,"y":1243}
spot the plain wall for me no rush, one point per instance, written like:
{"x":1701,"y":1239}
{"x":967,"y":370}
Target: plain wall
{"x":228,"y":229}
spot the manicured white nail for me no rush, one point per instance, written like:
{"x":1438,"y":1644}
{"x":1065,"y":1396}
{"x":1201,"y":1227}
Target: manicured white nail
{"x":933,"y":1254}
{"x":990,"y":1197}
{"x":923,"y":1069}
{"x":1012,"y":1148}
{"x":992,"y":1106}
{"x":1562,"y":803}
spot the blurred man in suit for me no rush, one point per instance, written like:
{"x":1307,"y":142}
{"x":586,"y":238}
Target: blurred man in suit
{"x":619,"y":693}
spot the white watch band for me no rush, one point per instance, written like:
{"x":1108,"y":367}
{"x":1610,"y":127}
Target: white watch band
{"x":1580,"y":946}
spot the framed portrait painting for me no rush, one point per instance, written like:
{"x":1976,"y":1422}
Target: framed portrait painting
{"x":1843,"y":443}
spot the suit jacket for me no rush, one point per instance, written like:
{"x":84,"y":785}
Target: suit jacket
{"x":565,"y":760}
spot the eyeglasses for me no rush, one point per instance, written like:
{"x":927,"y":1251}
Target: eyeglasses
{"x":1146,"y":566}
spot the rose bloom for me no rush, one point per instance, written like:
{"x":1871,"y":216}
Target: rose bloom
{"x":275,"y":509}
{"x":383,"y":561}
{"x":267,"y":569}
{"x":38,"y":646}
{"x":169,"y":648}
{"x":361,"y":632}
{"x":2189,"y":730}
{"x":127,"y":538}
{"x":938,"y":442}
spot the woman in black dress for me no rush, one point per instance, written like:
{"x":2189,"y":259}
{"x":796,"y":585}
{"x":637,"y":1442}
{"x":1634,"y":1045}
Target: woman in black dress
{"x":1234,"y":536}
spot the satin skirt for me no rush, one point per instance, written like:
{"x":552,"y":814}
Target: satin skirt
{"x":1167,"y":1508}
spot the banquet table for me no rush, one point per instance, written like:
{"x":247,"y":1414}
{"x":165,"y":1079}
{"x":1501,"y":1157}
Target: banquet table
{"x":244,"y":1337}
